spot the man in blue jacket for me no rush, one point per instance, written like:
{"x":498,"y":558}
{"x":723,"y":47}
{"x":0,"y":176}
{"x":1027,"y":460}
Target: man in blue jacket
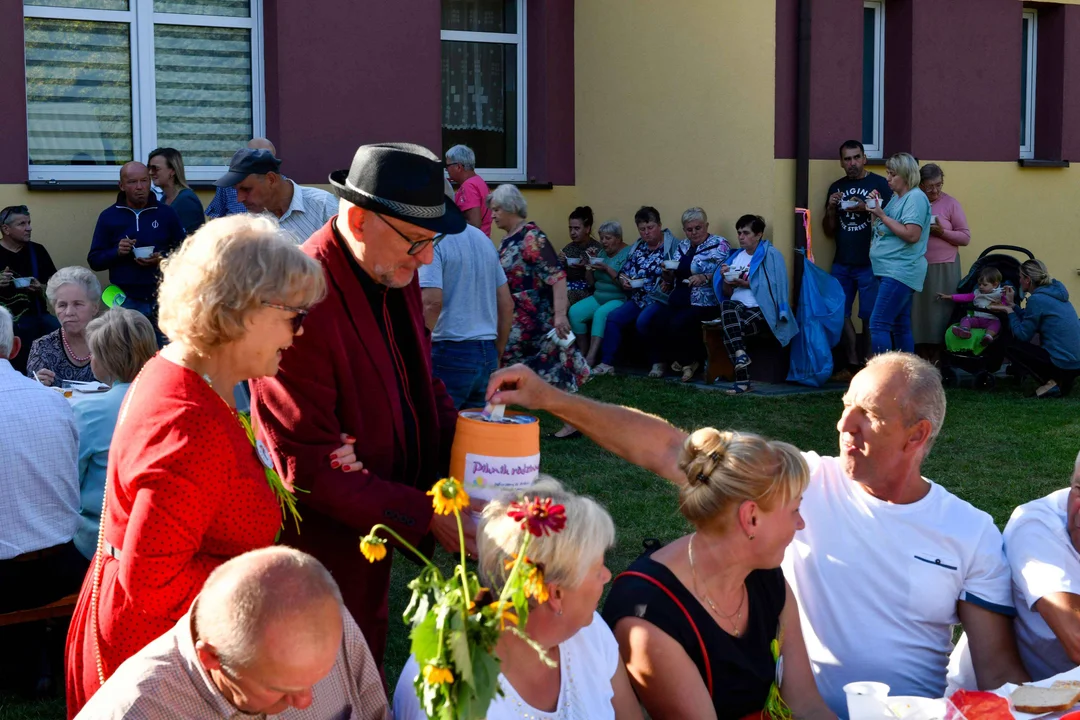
{"x":132,"y":237}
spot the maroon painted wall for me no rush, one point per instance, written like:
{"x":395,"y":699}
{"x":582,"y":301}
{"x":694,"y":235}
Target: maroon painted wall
{"x":1070,"y":144}
{"x":899,"y":19}
{"x":787,"y":70}
{"x":342,"y":74}
{"x":14,"y":156}
{"x":965,"y":79}
{"x":836,"y":76}
{"x":550,"y":107}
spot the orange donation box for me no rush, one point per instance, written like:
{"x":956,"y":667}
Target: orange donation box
{"x":490,"y":456}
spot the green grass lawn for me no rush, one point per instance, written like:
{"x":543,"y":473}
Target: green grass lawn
{"x":997,"y":450}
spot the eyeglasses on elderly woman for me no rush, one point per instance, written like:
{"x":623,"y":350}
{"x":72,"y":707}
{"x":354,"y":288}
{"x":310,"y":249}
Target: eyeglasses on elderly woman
{"x":297,"y":319}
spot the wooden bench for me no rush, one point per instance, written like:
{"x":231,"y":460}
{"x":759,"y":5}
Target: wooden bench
{"x":770,"y":361}
{"x":63,"y":607}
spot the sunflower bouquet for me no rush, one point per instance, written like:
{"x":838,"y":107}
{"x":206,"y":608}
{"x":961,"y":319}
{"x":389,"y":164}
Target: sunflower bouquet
{"x":455,"y":621}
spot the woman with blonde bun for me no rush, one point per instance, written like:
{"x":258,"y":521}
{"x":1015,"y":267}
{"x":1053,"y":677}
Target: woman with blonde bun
{"x":696,"y":620}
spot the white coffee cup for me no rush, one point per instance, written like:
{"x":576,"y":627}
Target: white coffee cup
{"x":733,"y":274}
{"x":21,"y":282}
{"x":637,"y":283}
{"x":562,"y":342}
{"x":143,"y":252}
{"x":573,"y":261}
{"x":933,"y":219}
{"x":867,"y":701}
{"x":671,"y":264}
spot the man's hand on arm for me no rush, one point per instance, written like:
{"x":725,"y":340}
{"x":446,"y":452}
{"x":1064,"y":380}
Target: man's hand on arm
{"x":1061,"y":611}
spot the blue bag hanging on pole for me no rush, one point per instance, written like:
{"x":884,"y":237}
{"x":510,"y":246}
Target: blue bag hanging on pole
{"x":821,"y":322}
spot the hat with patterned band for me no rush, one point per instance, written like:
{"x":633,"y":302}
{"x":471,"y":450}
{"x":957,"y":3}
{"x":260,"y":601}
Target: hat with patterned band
{"x":401,"y":181}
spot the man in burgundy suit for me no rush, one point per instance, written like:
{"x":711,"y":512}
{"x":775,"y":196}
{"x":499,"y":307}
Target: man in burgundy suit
{"x":362,"y":368}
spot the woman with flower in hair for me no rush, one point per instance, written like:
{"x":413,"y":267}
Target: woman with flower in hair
{"x":587,"y":678}
{"x":707,"y":625}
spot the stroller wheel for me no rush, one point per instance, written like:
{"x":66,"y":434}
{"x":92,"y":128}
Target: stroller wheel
{"x":985,"y":381}
{"x":948,"y":376}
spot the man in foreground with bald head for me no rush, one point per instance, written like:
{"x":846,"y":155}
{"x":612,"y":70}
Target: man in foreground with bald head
{"x":267,"y":635}
{"x":131,"y":238}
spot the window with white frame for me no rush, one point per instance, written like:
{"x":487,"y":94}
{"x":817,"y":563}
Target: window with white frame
{"x":483,"y":84}
{"x":107,"y":81}
{"x":873,"y":89}
{"x":1028,"y":55}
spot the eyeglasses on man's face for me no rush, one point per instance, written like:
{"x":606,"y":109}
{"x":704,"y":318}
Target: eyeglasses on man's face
{"x":415,"y":246}
{"x":12,"y":210}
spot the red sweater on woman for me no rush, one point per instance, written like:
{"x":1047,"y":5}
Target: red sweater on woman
{"x":185,"y":493}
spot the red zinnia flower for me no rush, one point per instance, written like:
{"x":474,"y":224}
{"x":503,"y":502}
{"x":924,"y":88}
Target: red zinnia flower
{"x":538,"y":516}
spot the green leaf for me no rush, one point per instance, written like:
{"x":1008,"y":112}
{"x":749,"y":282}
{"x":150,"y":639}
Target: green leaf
{"x":425,"y":641}
{"x":458,"y":646}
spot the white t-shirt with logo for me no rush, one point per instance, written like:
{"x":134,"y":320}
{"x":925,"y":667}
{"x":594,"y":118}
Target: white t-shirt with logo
{"x":878,"y":583}
{"x":741,"y":262}
{"x":1043,"y":562}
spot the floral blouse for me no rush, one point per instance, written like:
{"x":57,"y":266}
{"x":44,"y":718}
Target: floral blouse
{"x":644,"y":264}
{"x":710,"y":254}
{"x":47,"y":352}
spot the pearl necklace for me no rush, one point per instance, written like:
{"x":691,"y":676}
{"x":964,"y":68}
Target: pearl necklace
{"x":71,"y":353}
{"x":705,"y":593}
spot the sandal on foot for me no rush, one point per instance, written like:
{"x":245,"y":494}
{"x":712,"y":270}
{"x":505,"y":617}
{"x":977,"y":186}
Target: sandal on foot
{"x":603,"y":369}
{"x":739,"y":389}
{"x":689,"y":371}
{"x":742,"y":360}
{"x":657,"y":370}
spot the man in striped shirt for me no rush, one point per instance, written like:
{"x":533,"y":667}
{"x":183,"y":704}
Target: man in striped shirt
{"x":260,"y":186}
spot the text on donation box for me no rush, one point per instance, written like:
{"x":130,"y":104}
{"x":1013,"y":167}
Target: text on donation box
{"x":486,"y":476}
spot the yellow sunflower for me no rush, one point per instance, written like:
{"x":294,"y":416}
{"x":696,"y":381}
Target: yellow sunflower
{"x":435,"y":675}
{"x":449,"y":495}
{"x":373,"y":548}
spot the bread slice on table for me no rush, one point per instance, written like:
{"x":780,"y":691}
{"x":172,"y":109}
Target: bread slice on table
{"x":1039,"y":700}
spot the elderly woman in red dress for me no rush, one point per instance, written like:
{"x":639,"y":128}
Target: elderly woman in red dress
{"x":185,"y":488}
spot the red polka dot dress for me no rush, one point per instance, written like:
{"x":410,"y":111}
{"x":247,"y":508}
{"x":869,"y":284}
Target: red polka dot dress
{"x":185,"y":493}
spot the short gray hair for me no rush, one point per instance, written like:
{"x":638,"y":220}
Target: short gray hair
{"x":694,"y":213}
{"x":508,"y":199}
{"x":565,"y":556}
{"x":74,"y":275}
{"x":931,"y":171}
{"x":245,"y":595}
{"x":462,"y":154}
{"x":7,"y":333}
{"x":925,"y":396}
{"x":611,"y":227}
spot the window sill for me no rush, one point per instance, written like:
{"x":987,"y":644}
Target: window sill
{"x":95,"y":185}
{"x":1031,"y":163}
{"x":876,"y":162}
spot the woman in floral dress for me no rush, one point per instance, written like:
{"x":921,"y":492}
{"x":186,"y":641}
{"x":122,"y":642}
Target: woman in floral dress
{"x":538,"y":285}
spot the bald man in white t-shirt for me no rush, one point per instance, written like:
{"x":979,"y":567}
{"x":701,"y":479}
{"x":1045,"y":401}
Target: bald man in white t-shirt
{"x":888,"y":560}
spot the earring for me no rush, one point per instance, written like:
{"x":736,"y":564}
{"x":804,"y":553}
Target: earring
{"x":559,"y":613}
{"x":750,"y":536}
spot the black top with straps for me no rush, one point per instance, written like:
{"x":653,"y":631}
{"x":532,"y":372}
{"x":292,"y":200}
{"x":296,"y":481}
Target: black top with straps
{"x":742,"y":667}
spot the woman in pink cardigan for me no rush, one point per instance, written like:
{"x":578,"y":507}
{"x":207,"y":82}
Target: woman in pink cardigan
{"x":948,"y":231}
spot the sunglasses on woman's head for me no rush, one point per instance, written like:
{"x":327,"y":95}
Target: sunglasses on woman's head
{"x":297,"y":319}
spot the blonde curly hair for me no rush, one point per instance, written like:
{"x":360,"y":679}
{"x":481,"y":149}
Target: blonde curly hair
{"x":226,"y":270}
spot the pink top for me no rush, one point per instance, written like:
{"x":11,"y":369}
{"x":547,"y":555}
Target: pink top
{"x":954,"y":225}
{"x":472,"y":194}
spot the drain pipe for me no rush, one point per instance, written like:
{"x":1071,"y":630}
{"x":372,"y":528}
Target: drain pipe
{"x":802,"y":151}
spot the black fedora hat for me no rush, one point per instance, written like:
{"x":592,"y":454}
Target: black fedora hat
{"x":401,"y":181}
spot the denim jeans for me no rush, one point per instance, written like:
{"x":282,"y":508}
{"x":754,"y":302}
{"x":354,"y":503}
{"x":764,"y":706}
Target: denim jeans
{"x":856,"y":279}
{"x":617,"y":321}
{"x":890,"y":323}
{"x":464,"y":367}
